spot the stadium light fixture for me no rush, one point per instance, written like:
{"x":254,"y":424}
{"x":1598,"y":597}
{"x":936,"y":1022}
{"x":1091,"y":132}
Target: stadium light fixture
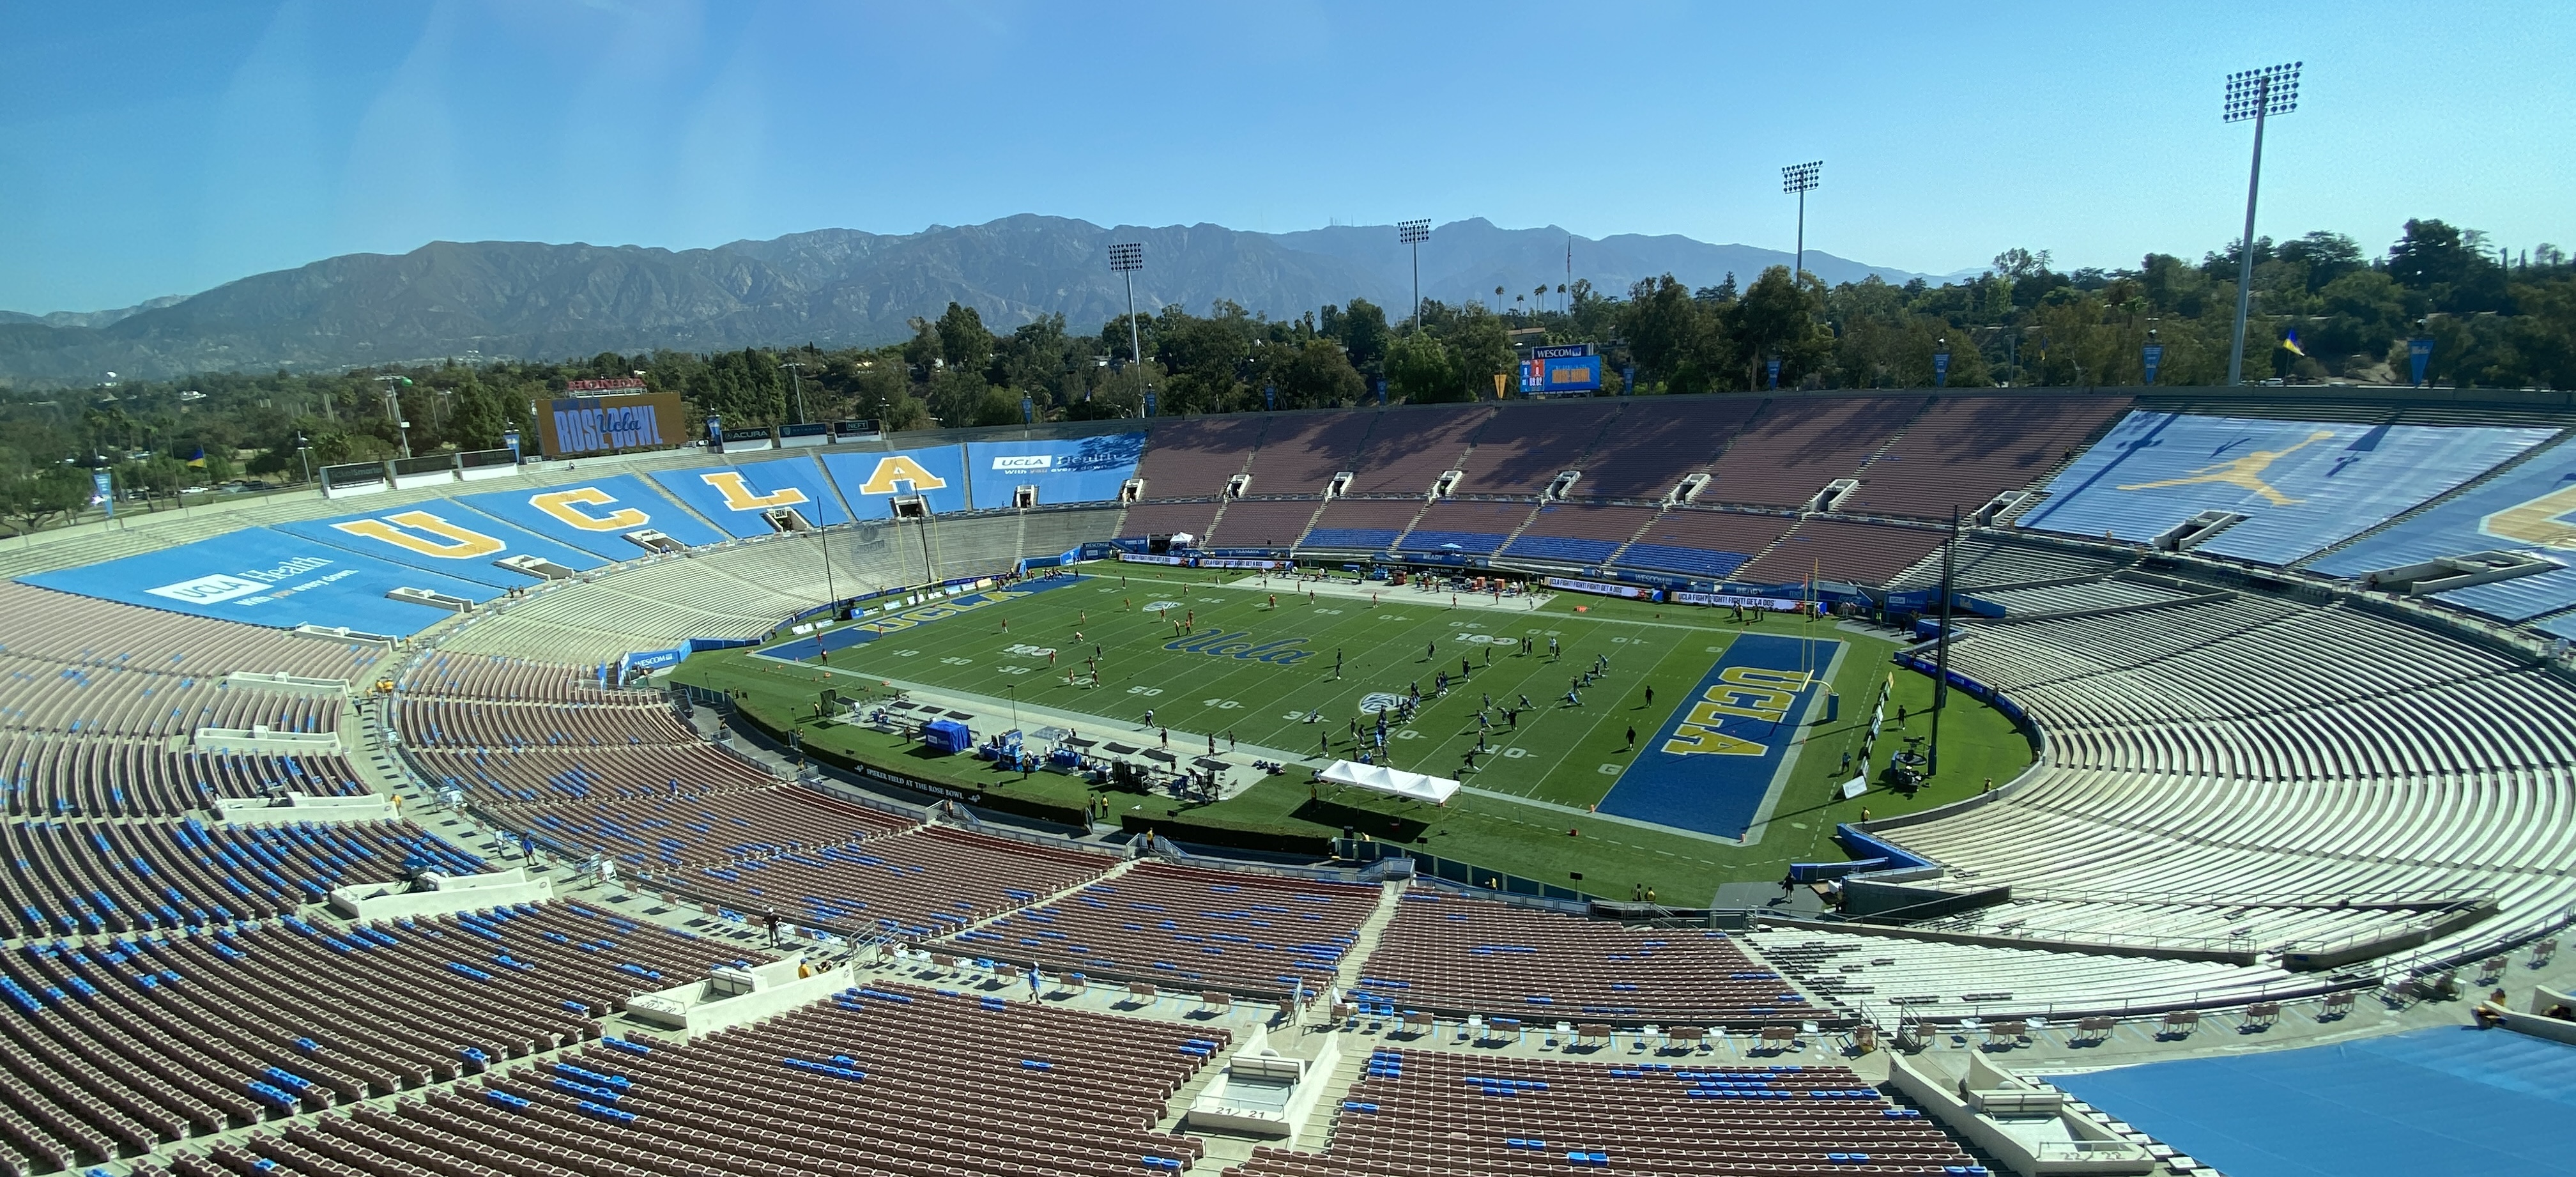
{"x":2255,"y":94}
{"x":1127,"y":257}
{"x":1414,"y":233}
{"x":1800,"y":179}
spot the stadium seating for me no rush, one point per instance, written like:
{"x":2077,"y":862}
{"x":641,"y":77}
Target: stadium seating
{"x":1577,"y":533}
{"x":1523,"y":451}
{"x":1470,"y":527}
{"x":1658,"y":442}
{"x":1981,"y":561}
{"x":1438,"y":1112}
{"x":1412,"y":446}
{"x":1362,"y":523}
{"x":1833,"y":549}
{"x":1149,"y":519}
{"x":1185,"y":926}
{"x":916,"y":886}
{"x":1458,"y":955}
{"x":880,"y":1079}
{"x":1263,"y":523}
{"x":1965,"y":450}
{"x":2302,"y":485}
{"x":1703,"y":543}
{"x":1794,"y":447}
{"x":2244,"y":770}
{"x":114,"y":1047}
{"x":46,"y":775}
{"x":85,"y":877}
{"x":1194,"y":457}
{"x":1300,"y":453}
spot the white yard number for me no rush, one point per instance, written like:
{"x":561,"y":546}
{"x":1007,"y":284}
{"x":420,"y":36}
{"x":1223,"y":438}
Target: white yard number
{"x":1144,"y":690}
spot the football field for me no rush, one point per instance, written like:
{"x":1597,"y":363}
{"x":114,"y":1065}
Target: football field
{"x":1553,"y":701}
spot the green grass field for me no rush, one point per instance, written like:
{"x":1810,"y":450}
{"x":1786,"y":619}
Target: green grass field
{"x":1524,"y":796}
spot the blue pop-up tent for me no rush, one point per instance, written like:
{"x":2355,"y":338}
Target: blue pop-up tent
{"x":947,"y":735}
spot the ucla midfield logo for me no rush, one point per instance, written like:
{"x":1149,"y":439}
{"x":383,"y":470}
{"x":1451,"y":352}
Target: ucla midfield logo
{"x":1279,"y":652}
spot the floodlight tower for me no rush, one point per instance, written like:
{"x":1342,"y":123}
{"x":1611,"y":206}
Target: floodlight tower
{"x":1127,"y":257}
{"x":2255,"y":94}
{"x":1414,"y":233}
{"x":1800,"y":179}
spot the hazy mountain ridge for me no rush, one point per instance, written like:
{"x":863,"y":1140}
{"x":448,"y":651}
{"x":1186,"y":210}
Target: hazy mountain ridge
{"x":829,"y":286}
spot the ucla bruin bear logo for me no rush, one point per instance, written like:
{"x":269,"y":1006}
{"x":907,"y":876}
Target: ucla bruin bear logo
{"x":445,"y":540}
{"x":2544,"y":522}
{"x":899,"y":474}
{"x":564,"y":504}
{"x":1749,"y":692}
{"x":739,"y":496}
{"x":1381,"y":701}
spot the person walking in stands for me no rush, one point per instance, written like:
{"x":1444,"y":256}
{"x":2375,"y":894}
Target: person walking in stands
{"x":769,"y":920}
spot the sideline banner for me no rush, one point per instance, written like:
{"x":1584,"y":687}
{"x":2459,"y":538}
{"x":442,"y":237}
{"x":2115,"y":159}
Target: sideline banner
{"x":1731,"y":601}
{"x":1605,"y":588}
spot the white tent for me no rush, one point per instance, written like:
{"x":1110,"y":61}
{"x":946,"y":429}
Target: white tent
{"x":1381,"y":779}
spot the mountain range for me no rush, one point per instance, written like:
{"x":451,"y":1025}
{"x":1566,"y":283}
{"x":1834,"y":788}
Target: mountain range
{"x":835,"y":287}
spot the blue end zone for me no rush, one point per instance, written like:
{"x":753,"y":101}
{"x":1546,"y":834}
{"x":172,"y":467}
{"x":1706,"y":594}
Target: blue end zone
{"x":595,"y":516}
{"x":2449,"y":1100}
{"x":264,"y":577}
{"x":1714,"y":760}
{"x":860,"y":632}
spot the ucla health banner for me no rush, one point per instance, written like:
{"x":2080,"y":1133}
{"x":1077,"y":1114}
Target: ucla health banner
{"x":259,"y":576}
{"x":595,"y":516}
{"x":1089,"y":469}
{"x":739,"y":497}
{"x":1717,"y":755}
{"x":870,"y":480}
{"x":442,"y":536}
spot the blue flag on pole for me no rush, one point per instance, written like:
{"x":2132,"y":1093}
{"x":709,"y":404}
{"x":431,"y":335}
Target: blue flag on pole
{"x":1940,"y":369}
{"x":2419,"y":354}
{"x":1775,"y":373}
{"x":2154,"y":356}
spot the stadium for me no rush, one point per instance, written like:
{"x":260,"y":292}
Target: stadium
{"x":1920,"y":782}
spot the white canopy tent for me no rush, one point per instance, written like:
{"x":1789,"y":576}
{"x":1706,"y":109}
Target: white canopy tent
{"x":1378,"y":778}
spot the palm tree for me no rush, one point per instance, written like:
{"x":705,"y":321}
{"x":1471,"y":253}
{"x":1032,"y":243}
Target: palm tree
{"x":1498,"y":297}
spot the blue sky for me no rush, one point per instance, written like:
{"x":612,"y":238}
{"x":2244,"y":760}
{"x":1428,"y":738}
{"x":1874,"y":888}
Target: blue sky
{"x":163,"y":148}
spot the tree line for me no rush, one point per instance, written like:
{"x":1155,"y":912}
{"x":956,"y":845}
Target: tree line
{"x":2323,"y":309}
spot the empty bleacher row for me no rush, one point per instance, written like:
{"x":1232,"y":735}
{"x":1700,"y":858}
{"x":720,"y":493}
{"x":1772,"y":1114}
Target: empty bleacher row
{"x":98,"y":876}
{"x":1447,"y":953}
{"x":528,"y":775}
{"x":2255,"y":771}
{"x":43,"y":695}
{"x":916,"y":886}
{"x":1995,"y":561}
{"x":111,"y":1047}
{"x":50,"y":775}
{"x":1437,"y":1112}
{"x":78,"y":631}
{"x":503,"y":679}
{"x":1183,"y":925}
{"x":724,"y":826}
{"x":1885,"y":979}
{"x":481,"y":723}
{"x":882,"y":1079}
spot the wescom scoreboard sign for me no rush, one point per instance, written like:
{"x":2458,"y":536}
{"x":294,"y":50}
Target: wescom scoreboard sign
{"x":608,"y":416}
{"x":1562,"y":368}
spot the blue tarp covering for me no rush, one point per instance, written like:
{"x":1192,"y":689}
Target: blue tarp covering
{"x":2531,"y":507}
{"x":265,"y":577}
{"x":2302,"y":485}
{"x":947,"y":735}
{"x":2447,"y":1100}
{"x":1714,"y":759}
{"x":735,"y":496}
{"x":594,"y":515}
{"x":1084,"y":470}
{"x":871,"y":479}
{"x":442,"y":536}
